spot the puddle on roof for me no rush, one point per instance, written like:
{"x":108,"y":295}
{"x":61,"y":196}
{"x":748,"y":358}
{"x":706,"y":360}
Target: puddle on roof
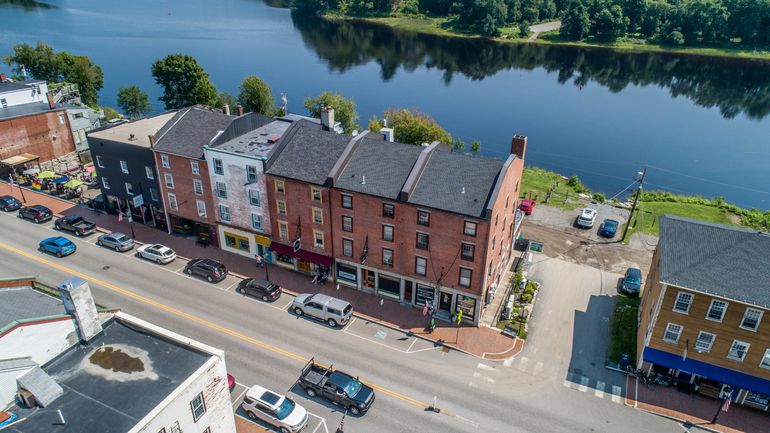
{"x":119,"y":362}
{"x":116,"y":360}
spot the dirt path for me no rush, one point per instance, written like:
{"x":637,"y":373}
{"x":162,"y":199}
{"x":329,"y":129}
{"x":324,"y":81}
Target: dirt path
{"x":541,"y":28}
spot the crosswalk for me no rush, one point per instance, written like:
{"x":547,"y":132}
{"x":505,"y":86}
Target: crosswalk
{"x":600,"y":389}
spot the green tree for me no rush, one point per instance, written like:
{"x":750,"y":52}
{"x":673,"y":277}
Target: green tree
{"x":86,"y":74}
{"x":413,"y":127}
{"x":458,"y":144}
{"x":255,"y":95}
{"x":225,"y":98}
{"x":635,"y":10}
{"x":476,"y":146}
{"x":184,"y":82}
{"x":110,"y":113}
{"x":133,"y":101}
{"x":747,"y":17}
{"x":344,"y":109}
{"x":610,"y":23}
{"x":483,"y":16}
{"x":576,"y":23}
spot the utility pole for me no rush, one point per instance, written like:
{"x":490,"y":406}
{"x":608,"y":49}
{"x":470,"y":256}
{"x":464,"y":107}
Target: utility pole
{"x":633,"y":207}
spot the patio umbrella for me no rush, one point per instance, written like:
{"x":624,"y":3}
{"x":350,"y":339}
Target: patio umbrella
{"x":73,"y":183}
{"x":31,"y":171}
{"x":61,"y":179}
{"x":90,"y":169}
{"x":46,"y":175}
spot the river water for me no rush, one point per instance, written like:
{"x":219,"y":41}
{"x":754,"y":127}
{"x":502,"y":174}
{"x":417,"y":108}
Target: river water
{"x":701,"y":125}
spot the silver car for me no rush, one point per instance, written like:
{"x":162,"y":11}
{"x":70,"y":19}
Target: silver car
{"x":333,"y":311}
{"x":115,"y":240}
{"x":158,"y":253}
{"x":275,"y":409}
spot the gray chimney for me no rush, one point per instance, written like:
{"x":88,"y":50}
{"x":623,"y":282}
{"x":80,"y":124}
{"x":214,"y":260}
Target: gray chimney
{"x":327,"y":118}
{"x":227,"y":109}
{"x":388,"y":134}
{"x":78,"y":301}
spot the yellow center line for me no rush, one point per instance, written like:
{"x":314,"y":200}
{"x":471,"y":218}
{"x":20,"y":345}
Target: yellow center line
{"x":196,"y":319}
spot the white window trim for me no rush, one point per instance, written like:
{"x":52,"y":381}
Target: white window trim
{"x":711,"y":344}
{"x":416,"y":257}
{"x":460,"y":276}
{"x":261,"y":221}
{"x":711,"y":304}
{"x":196,"y":183}
{"x":129,"y":188}
{"x":745,"y":352}
{"x":765,"y":356}
{"x":99,"y":161}
{"x":315,"y":239}
{"x":166,"y":177}
{"x":200,"y":206}
{"x":164,"y":161}
{"x":148,"y":171}
{"x":105,"y":183}
{"x":195,"y":168}
{"x":124,"y":167}
{"x":173,"y":204}
{"x":678,"y":335}
{"x":689,"y":304}
{"x":759,"y":319}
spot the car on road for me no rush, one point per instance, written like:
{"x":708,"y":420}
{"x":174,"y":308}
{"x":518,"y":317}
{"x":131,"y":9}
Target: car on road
{"x":75,"y":224}
{"x":211,"y":270}
{"x":275,"y":409}
{"x":9,"y":203}
{"x":115,"y":240}
{"x":158,"y":253}
{"x":608,"y":228}
{"x":331,"y":310}
{"x":527,"y":206}
{"x":37,"y":213}
{"x":586,"y":218}
{"x":58,"y":245}
{"x":336,"y":386}
{"x":632,"y":282}
{"x":263,"y":289}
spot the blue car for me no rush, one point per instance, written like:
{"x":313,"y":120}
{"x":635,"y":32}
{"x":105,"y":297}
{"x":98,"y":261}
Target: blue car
{"x":608,"y":228}
{"x":58,"y":245}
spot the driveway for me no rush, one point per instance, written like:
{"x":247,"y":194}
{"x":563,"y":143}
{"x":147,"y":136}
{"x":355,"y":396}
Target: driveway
{"x":541,"y":28}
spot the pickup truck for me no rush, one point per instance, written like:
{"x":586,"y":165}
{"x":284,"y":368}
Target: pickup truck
{"x":340,"y":388}
{"x":75,"y":224}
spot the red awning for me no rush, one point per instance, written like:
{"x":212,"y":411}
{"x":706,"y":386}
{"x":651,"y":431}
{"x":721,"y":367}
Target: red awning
{"x":305,"y":255}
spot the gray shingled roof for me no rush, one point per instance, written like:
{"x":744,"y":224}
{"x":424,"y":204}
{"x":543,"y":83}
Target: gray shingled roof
{"x":190,"y":129}
{"x":20,"y":303}
{"x":720,"y":260}
{"x":26,"y":109}
{"x":307,"y":152}
{"x":385,"y":165}
{"x":11,"y":86}
{"x":448,"y":174}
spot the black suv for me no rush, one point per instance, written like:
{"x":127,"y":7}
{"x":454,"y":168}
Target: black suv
{"x":260,"y":288}
{"x":37,"y":213}
{"x":9,"y":203}
{"x":212,"y":270}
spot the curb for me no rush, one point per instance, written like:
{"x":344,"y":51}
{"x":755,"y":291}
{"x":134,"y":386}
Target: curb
{"x":681,"y":421}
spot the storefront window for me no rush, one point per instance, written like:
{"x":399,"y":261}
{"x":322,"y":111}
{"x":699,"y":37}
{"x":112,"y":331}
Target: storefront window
{"x":467,"y":305}
{"x":425,"y":294}
{"x":388,"y":286}
{"x":237,"y":242}
{"x":347,"y":273}
{"x":757,"y":398}
{"x":284,"y":259}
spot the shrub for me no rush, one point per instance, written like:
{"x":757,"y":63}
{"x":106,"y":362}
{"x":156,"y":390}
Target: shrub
{"x":577,"y":186}
{"x":526,"y":298}
{"x":522,"y":332}
{"x":599,"y":197}
{"x":675,"y":38}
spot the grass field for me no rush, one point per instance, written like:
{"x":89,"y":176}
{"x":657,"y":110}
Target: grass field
{"x":536,"y":182}
{"x":648,"y":213}
{"x":623,"y":331}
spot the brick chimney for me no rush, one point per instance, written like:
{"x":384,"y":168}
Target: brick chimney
{"x":327,"y":118}
{"x":51,"y":104}
{"x":239,"y":108}
{"x":151,"y":137}
{"x":519,"y":145}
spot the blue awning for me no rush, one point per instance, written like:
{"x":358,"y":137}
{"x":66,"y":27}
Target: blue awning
{"x":720,"y":374}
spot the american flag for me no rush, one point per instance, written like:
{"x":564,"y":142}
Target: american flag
{"x":726,"y":404}
{"x":120,"y":216}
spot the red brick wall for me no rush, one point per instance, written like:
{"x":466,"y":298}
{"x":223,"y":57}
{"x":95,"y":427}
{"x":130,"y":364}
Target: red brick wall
{"x":181,"y":170}
{"x":33,"y":134}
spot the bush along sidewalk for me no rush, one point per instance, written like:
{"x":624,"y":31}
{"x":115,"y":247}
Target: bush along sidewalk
{"x":523,"y":294}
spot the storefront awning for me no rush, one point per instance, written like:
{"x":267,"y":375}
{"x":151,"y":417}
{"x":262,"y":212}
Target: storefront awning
{"x":20,"y":159}
{"x":262,"y":240}
{"x":305,"y":255}
{"x":723,"y":375}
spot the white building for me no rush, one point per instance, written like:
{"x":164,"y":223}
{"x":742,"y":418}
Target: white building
{"x":14,"y":93}
{"x":102,"y":370}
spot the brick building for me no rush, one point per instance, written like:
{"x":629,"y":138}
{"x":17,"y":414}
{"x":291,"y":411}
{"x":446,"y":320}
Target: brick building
{"x":702,"y":311}
{"x":38,"y":128}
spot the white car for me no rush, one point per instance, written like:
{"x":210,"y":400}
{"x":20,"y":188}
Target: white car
{"x":158,"y":253}
{"x":587,"y":218}
{"x":275,"y":409}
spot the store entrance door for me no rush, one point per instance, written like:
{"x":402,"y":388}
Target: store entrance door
{"x":445,"y":302}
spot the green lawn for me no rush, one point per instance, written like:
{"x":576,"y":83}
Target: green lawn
{"x":536,"y":182}
{"x":649,"y":212}
{"x":623,"y":331}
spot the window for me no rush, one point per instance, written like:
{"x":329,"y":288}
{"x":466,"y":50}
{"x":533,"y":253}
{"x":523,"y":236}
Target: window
{"x":218,"y":167}
{"x":169,"y":179}
{"x":318,"y":216}
{"x":198,"y":186}
{"x":716,"y":310}
{"x":751,"y":319}
{"x":281,"y":207}
{"x":198,"y":407}
{"x":172,"y":201}
{"x":124,"y":167}
{"x":423,"y":218}
{"x":420,"y":265}
{"x":148,"y":171}
{"x":4,"y":102}
{"x":195,"y":168}
{"x":164,"y":161}
{"x":129,"y":189}
{"x":347,"y":223}
{"x":280,"y":186}
{"x":251,"y":174}
{"x":224,"y":213}
{"x":347,"y":247}
{"x":387,"y":257}
{"x":105,"y":183}
{"x":99,"y":161}
{"x":705,"y":341}
{"x":465,"y":277}
{"x":388,"y":210}
{"x":422,"y":240}
{"x":153,"y":194}
{"x":283,"y":230}
{"x":672,"y":333}
{"x":738,"y":350}
{"x":765,"y":363}
{"x":254,"y":197}
{"x":470,"y":228}
{"x":387,"y":233}
{"x":467,"y":251}
{"x":318,"y":239}
{"x":221,"y":188}
{"x":683,"y":302}
{"x":315,"y":194}
{"x":201,"y":208}
{"x":256,"y":221}
{"x":347,"y":201}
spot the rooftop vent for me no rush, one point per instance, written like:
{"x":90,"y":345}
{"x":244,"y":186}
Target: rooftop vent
{"x":462,"y":191}
{"x":363,"y":180}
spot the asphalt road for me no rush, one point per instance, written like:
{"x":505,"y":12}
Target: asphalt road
{"x":267,"y":345}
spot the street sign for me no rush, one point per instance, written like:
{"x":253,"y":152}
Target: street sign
{"x":297,"y":245}
{"x":138,"y":200}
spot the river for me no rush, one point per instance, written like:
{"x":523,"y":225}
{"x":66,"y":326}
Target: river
{"x":700,"y":124}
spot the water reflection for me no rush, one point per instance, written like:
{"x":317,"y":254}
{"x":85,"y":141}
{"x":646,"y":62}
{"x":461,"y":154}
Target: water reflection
{"x":27,"y":4}
{"x":734,"y":86}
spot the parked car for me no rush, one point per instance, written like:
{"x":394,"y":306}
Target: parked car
{"x":260,"y":288}
{"x":632,"y":282}
{"x":333,"y":311}
{"x":37,"y":213}
{"x":75,"y":224}
{"x":9,"y":203}
{"x":275,"y":409}
{"x":158,"y":253}
{"x":211,"y":270}
{"x":58,"y":245}
{"x":338,"y":387}
{"x":608,"y":228}
{"x":230,"y":382}
{"x":527,"y":206}
{"x":586,"y":218}
{"x":115,"y":240}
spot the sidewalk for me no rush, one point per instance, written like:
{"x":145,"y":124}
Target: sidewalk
{"x":482,"y":341}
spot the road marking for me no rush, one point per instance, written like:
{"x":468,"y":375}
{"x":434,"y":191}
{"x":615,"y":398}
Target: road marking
{"x":481,"y":366}
{"x":410,"y":346}
{"x":193,"y":318}
{"x":476,"y":374}
{"x":583,"y":384}
{"x":508,"y":362}
{"x":538,"y":368}
{"x":523,"y":363}
{"x":599,"y":391}
{"x":616,"y":390}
